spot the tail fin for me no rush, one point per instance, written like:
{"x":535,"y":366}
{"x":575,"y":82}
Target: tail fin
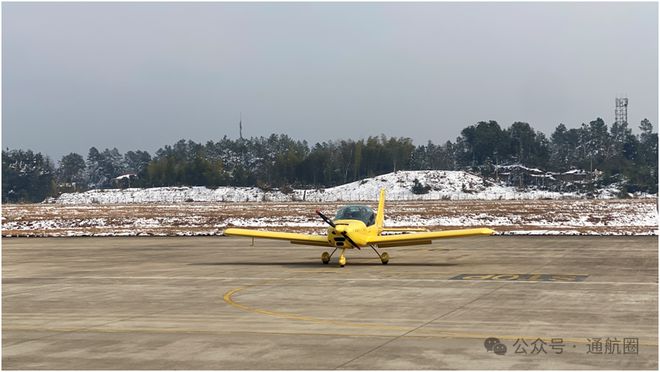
{"x":380,"y":215}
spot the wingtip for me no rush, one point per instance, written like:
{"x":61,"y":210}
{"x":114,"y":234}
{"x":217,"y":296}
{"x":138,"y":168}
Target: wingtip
{"x":230,"y":231}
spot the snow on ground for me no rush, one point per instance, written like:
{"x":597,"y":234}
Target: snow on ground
{"x":444,"y":185}
{"x":455,"y":200}
{"x":528,"y":217}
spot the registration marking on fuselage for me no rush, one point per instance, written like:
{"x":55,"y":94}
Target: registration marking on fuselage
{"x":523,"y":277}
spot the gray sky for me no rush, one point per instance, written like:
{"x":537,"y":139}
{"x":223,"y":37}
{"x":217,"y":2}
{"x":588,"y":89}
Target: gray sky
{"x":143,"y":75}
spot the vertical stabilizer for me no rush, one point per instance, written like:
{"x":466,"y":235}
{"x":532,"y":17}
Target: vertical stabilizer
{"x":380,"y":215}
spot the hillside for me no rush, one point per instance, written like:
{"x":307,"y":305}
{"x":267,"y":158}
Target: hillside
{"x":441,"y":185}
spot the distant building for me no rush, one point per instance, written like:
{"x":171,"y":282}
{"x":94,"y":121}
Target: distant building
{"x":522,"y":177}
{"x":124,"y":181}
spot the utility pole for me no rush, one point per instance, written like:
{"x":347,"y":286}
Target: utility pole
{"x":240,"y":126}
{"x":241,"y":141}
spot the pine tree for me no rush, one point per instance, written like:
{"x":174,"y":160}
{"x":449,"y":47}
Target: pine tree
{"x":71,"y":171}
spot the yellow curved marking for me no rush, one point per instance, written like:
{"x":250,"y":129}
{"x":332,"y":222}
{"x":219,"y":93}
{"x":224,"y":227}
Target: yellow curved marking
{"x":419,"y":332}
{"x":277,"y":314}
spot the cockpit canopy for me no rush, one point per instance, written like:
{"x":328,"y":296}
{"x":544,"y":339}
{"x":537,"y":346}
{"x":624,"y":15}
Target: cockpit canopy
{"x":357,"y":212}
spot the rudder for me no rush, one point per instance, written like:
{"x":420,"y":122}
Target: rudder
{"x":380,"y":215}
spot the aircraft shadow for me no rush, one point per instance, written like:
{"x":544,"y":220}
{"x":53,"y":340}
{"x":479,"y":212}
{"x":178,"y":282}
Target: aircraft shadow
{"x":320,"y":265}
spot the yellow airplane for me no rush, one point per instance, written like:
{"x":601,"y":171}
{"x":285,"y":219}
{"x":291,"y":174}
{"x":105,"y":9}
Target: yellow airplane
{"x":356,"y":226}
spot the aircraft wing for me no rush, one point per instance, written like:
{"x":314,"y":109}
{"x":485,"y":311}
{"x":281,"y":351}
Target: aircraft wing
{"x":304,"y":239}
{"x":404,"y":229}
{"x":424,"y":237}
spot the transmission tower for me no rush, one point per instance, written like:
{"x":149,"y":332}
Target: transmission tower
{"x":621,"y":111}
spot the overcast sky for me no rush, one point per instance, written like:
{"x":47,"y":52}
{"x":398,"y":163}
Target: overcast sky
{"x":143,"y":75}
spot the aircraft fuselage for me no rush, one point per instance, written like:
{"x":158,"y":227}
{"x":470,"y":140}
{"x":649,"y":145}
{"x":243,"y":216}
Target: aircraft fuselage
{"x":356,"y":229}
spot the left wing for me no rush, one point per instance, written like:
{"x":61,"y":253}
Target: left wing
{"x":424,"y":237}
{"x":305,"y":239}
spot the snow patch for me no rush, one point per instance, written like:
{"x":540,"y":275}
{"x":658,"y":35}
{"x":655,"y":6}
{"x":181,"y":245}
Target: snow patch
{"x":443,"y":185}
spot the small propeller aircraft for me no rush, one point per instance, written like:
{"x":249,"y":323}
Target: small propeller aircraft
{"x":356,"y":226}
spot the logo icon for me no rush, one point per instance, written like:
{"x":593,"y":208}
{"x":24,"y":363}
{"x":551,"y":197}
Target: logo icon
{"x":493,"y":344}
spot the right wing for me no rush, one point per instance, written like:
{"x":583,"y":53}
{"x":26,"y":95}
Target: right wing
{"x":404,"y":229}
{"x":304,"y":239}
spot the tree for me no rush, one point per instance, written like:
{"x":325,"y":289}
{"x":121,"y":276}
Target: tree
{"x":522,"y":138}
{"x":484,"y":141}
{"x":278,"y":160}
{"x":94,"y":176}
{"x":648,"y":158}
{"x":648,"y":142}
{"x":71,"y":171}
{"x":619,"y":134}
{"x":26,"y":176}
{"x":112,"y":163}
{"x":596,"y":141}
{"x":137,"y":161}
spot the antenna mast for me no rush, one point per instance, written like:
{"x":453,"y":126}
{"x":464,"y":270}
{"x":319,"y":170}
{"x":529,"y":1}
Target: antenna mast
{"x":240,"y":126}
{"x":621,"y":111}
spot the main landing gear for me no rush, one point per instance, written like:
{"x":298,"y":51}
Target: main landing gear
{"x":325,"y":257}
{"x":384,"y":257}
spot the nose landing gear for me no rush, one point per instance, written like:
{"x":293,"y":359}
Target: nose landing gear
{"x":325,"y":257}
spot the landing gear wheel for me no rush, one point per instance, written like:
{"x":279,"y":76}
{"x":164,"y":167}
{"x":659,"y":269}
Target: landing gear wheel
{"x":342,"y":261}
{"x":325,"y":258}
{"x":384,"y":258}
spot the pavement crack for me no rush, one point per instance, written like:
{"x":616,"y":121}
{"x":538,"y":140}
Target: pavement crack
{"x":419,"y":327}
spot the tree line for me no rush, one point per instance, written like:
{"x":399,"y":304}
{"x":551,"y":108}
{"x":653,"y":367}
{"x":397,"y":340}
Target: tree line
{"x":280,"y":161}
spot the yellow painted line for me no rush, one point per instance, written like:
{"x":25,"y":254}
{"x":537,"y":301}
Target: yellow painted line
{"x":217,"y":332}
{"x":316,"y":271}
{"x":277,"y":314}
{"x":228,"y":298}
{"x":177,"y":330}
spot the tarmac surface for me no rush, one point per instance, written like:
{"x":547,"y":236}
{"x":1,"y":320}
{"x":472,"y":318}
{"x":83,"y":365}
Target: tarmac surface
{"x":220,"y":303}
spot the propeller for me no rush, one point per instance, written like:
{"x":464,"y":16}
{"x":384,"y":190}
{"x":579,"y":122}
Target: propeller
{"x":350,"y":240}
{"x":325,"y":218}
{"x":331,"y":223}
